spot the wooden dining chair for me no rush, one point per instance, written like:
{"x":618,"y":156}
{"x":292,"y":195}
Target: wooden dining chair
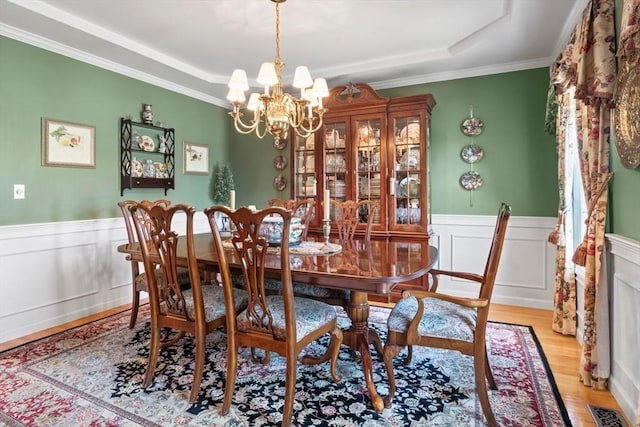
{"x":348,"y":214}
{"x":434,"y":319}
{"x":303,"y":209}
{"x":197,"y":310}
{"x":139,"y":281}
{"x":283,"y":324}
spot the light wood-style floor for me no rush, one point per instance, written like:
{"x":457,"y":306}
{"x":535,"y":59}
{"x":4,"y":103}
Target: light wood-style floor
{"x":562,"y":352}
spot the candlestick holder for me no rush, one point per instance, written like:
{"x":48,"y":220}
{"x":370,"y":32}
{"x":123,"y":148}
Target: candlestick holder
{"x":326,"y":232}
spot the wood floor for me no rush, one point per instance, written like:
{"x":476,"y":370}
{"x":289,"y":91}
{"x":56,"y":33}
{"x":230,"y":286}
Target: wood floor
{"x":562,"y":352}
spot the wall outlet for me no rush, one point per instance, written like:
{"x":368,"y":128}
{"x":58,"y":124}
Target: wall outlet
{"x":18,"y":191}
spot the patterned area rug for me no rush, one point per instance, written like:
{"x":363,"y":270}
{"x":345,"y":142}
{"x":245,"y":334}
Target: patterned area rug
{"x":92,"y":375}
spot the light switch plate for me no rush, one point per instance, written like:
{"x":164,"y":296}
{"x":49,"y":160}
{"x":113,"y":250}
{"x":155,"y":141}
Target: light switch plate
{"x":18,"y":191}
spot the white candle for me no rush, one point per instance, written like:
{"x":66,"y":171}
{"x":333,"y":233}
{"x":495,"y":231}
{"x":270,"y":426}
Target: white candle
{"x":326,"y":204}
{"x":232,"y":197}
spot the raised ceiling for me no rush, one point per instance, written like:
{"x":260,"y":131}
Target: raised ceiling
{"x":193,"y":46}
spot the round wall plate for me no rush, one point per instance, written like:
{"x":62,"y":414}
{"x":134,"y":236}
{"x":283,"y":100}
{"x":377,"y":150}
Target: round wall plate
{"x":279,"y":182}
{"x":472,"y":126}
{"x":471,"y":180}
{"x":471,"y":153}
{"x":280,"y":162}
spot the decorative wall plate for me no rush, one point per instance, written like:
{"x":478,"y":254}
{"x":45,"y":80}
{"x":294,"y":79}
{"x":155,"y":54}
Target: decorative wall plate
{"x":472,"y":126}
{"x":471,"y":180}
{"x":146,"y":143}
{"x":279,"y":183}
{"x":471,"y":153}
{"x":280,"y":143}
{"x":136,"y":168}
{"x":280,"y":162}
{"x":627,"y":116}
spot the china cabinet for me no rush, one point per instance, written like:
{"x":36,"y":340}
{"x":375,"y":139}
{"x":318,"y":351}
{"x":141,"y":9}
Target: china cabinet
{"x":147,"y":156}
{"x":369,"y":148}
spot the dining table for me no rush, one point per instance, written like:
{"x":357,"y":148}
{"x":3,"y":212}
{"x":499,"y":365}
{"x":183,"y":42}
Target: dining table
{"x":363,"y":267}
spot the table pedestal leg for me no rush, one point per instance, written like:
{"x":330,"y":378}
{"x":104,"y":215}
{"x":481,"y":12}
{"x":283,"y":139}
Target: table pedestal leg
{"x":358,"y":338}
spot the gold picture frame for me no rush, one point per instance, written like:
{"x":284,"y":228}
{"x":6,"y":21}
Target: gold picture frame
{"x":195,"y":158}
{"x":68,"y":144}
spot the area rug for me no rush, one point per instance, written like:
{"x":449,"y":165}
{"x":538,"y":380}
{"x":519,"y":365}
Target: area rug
{"x":92,"y":376}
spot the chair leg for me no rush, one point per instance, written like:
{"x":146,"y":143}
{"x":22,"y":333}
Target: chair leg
{"x":135,"y":305}
{"x":489,"y":373}
{"x":389,"y":353}
{"x":154,"y":350}
{"x":407,"y":360}
{"x":199,"y":369}
{"x":334,"y":346}
{"x":232,"y":370}
{"x":290,"y":391}
{"x":479,"y":362}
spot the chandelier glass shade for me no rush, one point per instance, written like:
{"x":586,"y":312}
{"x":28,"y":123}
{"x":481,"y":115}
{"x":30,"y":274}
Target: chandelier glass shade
{"x":274,"y":111}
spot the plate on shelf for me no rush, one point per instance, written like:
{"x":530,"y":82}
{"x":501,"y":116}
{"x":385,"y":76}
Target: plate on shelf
{"x":409,"y":187}
{"x":471,"y":180}
{"x":136,"y":168}
{"x":410,"y":134}
{"x":280,"y":162}
{"x":471,"y":153}
{"x":410,"y":159}
{"x":146,"y":143}
{"x":472,"y":126}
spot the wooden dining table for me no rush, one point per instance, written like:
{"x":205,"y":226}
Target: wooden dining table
{"x":361,"y":267}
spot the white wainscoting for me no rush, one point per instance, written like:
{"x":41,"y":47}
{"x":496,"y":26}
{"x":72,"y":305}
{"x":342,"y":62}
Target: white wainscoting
{"x":54,"y":273}
{"x":526,"y":273}
{"x":623,"y":265}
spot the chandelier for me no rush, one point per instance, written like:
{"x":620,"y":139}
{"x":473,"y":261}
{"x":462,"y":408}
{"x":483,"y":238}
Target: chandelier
{"x":275,"y":111}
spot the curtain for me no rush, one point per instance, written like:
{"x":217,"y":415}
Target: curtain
{"x":586,"y":71}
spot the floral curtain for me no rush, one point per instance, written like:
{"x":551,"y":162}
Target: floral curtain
{"x":586,"y":71}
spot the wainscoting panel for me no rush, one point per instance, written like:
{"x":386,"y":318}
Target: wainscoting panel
{"x":526,"y":272}
{"x":624,"y":293}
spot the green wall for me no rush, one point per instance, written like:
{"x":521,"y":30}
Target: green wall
{"x":519,"y":165}
{"x":36,"y":83}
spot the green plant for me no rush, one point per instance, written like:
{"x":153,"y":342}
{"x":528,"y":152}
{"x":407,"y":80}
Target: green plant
{"x":221,"y":185}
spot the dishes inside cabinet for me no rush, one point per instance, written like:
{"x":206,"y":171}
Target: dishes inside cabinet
{"x":471,"y":153}
{"x":471,"y":180}
{"x":472,"y":126}
{"x":363,"y":186}
{"x":310,"y":142}
{"x":409,"y":187}
{"x":410,"y":159}
{"x":146,"y":143}
{"x":410,"y":134}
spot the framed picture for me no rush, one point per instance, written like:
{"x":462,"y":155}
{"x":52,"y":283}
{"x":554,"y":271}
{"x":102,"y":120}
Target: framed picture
{"x":68,"y":144}
{"x":196,"y":158}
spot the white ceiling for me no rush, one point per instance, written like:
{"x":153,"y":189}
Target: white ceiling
{"x":193,"y":46}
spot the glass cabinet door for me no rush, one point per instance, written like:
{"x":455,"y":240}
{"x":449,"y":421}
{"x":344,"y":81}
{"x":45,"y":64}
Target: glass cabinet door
{"x":335,"y":177}
{"x":370,"y":165}
{"x":408,"y":177}
{"x":304,"y":167}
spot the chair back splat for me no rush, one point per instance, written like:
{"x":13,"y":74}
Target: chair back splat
{"x":281,"y":323}
{"x":434,"y":319}
{"x":196,"y":310}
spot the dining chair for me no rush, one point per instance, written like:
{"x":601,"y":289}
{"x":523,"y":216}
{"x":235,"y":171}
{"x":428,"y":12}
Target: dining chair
{"x":303,"y":209}
{"x":139,"y":282}
{"x":284,"y":324}
{"x":348,"y":214}
{"x":197,"y":310}
{"x":434,"y":319}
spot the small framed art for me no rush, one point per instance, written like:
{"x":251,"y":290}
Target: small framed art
{"x":68,"y":144}
{"x":196,"y":158}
